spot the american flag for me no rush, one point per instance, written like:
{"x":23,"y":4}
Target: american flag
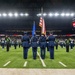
{"x":42,"y":25}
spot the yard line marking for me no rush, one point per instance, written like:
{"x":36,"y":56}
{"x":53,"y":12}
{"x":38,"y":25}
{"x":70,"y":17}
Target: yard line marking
{"x":44,"y":65}
{"x":7,"y":63}
{"x":25,"y":64}
{"x":62,"y":64}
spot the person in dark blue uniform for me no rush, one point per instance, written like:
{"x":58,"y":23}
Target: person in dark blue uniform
{"x":51,"y":44}
{"x":34,"y":44}
{"x":25,"y":44}
{"x":42,"y":43}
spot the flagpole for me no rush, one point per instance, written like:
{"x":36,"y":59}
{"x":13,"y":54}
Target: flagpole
{"x":34,"y":22}
{"x":43,"y":20}
{"x":42,"y":17}
{"x":33,"y":29}
{"x":42,"y":12}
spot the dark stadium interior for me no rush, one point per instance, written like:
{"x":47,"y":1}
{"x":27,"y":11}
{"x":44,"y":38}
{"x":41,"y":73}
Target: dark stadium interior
{"x":32,"y":7}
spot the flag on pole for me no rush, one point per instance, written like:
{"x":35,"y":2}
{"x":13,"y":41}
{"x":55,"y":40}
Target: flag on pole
{"x":42,"y":25}
{"x":33,"y":29}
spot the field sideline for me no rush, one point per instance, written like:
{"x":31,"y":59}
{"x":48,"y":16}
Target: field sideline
{"x":14,"y":59}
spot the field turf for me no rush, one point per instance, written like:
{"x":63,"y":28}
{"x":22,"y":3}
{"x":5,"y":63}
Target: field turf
{"x":17,"y":61}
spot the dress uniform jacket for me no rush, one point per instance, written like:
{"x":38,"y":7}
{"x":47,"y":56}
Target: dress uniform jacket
{"x":42,"y":43}
{"x":51,"y":41}
{"x":34,"y":41}
{"x":25,"y":41}
{"x":25,"y":44}
{"x":34,"y":45}
{"x":51,"y":44}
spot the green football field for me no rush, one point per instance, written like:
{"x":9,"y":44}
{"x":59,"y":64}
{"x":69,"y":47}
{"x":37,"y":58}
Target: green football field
{"x":14,"y":59}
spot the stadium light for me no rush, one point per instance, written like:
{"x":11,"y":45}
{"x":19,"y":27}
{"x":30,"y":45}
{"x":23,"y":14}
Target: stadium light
{"x":62,"y":14}
{"x":56,"y":14}
{"x":39,"y":14}
{"x":50,"y":14}
{"x":21,"y":14}
{"x":67,"y":14}
{"x":26,"y":14}
{"x":44,"y":14}
{"x":10,"y":14}
{"x":72,"y":14}
{"x":16,"y":14}
{"x":0,"y":15}
{"x":4,"y":14}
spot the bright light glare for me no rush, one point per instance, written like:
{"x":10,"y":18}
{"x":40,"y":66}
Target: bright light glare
{"x":50,"y":14}
{"x":62,"y":14}
{"x":41,"y":14}
{"x":21,"y":14}
{"x":4,"y":14}
{"x":16,"y":14}
{"x":56,"y":14}
{"x":0,"y":15}
{"x":38,"y":14}
{"x":10,"y":14}
{"x":67,"y":14}
{"x":26,"y":14}
{"x":72,"y":14}
{"x":44,"y":14}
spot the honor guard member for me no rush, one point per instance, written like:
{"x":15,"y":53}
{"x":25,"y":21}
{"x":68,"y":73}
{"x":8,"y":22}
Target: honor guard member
{"x":67,"y":41}
{"x":51,"y":44}
{"x":7,"y":43}
{"x":34,"y":44}
{"x":42,"y":43}
{"x":25,"y":44}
